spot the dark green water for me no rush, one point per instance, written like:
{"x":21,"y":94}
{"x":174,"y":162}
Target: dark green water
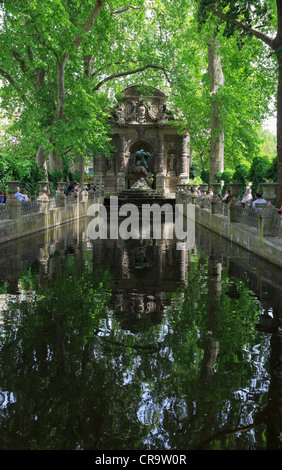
{"x":133,"y":344}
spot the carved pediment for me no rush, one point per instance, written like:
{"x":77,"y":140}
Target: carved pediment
{"x":137,"y":92}
{"x":141,"y":105}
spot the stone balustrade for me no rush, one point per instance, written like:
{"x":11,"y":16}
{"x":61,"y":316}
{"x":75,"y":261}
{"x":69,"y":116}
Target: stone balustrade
{"x":21,"y":218}
{"x":260,"y":230}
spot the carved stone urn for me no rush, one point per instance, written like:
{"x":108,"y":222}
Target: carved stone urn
{"x":12,"y":186}
{"x":61,"y":186}
{"x":193,"y":186}
{"x":235,"y":189}
{"x":215,"y":188}
{"x":203,"y":187}
{"x":269,"y":211}
{"x":43,"y":189}
{"x":269,"y":191}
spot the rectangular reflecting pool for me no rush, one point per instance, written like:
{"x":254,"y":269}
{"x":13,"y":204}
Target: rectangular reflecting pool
{"x":134,"y":345}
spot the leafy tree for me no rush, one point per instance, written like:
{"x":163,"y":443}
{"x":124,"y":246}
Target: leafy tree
{"x":225,"y":176}
{"x":268,"y":144}
{"x":262,"y":20}
{"x":259,"y":171}
{"x":63,"y":63}
{"x":57,"y":58}
{"x":20,"y":169}
{"x":249,"y":83}
{"x":241,"y":175}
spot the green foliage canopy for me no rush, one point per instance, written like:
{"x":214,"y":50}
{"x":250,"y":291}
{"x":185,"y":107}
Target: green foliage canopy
{"x":62,"y":64}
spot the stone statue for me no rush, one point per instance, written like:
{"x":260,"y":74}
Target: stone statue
{"x":140,"y":169}
{"x":170,"y":164}
{"x":141,"y":112}
{"x":139,"y":158}
{"x":110,"y":164}
{"x":120,"y":115}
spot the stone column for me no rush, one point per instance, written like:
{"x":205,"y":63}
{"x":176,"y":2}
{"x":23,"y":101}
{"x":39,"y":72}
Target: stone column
{"x":97,"y":164}
{"x":160,"y":164}
{"x":120,"y":163}
{"x":61,"y":197}
{"x":184,"y":170}
{"x":98,"y":175}
{"x":266,"y":220}
{"x":269,"y":212}
{"x":15,"y":208}
{"x":43,"y":198}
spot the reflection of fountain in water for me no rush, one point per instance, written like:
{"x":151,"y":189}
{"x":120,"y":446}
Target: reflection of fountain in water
{"x":145,"y":273}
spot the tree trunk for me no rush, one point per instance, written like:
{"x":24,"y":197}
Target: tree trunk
{"x":55,"y":163}
{"x":41,"y":161}
{"x":276,"y":45}
{"x":279,"y":133}
{"x":278,"y":51}
{"x":217,"y":130}
{"x":78,"y":167}
{"x":61,"y":89}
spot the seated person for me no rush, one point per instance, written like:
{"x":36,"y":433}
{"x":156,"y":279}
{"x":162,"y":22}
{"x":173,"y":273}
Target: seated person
{"x":247,"y":199}
{"x":23,"y":192}
{"x":19,"y":195}
{"x":2,"y":198}
{"x":227,"y":196}
{"x":258,"y":200}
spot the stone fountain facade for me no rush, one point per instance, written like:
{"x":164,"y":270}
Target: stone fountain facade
{"x":142,"y":121}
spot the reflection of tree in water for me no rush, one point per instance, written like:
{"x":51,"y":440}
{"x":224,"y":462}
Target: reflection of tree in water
{"x":76,"y":377}
{"x":266,"y":417}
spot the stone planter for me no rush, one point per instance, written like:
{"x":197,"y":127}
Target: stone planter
{"x":215,"y":188}
{"x":61,"y":185}
{"x":235,"y":189}
{"x":43,"y":190}
{"x":269,"y":191}
{"x":84,"y":186}
{"x":13,"y":186}
{"x":181,"y":188}
{"x":43,"y":187}
{"x":268,"y":212}
{"x":193,"y":186}
{"x":203,"y":187}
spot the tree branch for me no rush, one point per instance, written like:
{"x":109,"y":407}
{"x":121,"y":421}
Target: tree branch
{"x":130,"y":72}
{"x":88,"y":25}
{"x":8,"y":77}
{"x":51,"y":88}
{"x":229,"y":432}
{"x":21,"y":61}
{"x":240,"y":24}
{"x":124,"y":9}
{"x":99,"y":70}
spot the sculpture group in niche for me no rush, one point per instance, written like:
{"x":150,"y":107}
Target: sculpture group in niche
{"x":140,"y":157}
{"x":140,"y":167}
